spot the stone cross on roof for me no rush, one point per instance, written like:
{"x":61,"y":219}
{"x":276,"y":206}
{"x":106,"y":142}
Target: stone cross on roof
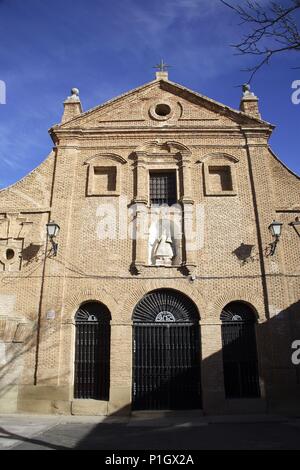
{"x":162,"y":67}
{"x":162,"y":72}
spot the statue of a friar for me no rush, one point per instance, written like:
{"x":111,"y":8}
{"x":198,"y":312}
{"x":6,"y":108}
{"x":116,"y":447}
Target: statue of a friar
{"x":164,"y":252}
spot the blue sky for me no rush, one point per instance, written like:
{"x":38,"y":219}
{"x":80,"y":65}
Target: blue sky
{"x":107,"y":47}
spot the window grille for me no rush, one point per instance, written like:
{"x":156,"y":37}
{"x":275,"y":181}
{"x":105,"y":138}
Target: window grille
{"x":163,"y":188}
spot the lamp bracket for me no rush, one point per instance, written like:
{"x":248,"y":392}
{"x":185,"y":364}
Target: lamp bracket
{"x":54,"y":247}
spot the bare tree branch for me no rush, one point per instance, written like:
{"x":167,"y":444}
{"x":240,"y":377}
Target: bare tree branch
{"x":274,"y":29}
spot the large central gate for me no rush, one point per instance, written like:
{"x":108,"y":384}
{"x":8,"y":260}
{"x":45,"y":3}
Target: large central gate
{"x":166,"y":353}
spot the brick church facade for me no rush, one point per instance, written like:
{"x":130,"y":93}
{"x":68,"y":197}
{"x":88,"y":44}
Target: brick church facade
{"x":166,"y":289}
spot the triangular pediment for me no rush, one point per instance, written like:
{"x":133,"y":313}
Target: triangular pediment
{"x":182,"y":108}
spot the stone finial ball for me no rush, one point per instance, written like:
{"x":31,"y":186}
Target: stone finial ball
{"x":75,"y":91}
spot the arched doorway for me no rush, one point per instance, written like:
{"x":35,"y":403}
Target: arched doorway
{"x":166,"y":352}
{"x":92,"y":351}
{"x":240,"y":364}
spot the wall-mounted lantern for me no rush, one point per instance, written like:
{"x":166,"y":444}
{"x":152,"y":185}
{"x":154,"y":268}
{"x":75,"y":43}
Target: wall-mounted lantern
{"x":52,"y":232}
{"x":275,"y":229}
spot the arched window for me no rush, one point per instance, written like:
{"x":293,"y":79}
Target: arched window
{"x":240,"y":363}
{"x":92,"y":351}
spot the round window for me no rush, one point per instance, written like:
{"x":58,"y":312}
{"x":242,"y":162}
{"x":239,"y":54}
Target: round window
{"x":162,"y":109}
{"x":10,"y":254}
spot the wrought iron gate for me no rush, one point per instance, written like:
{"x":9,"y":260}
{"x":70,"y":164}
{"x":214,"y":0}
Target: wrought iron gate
{"x":92,"y":352}
{"x":240,"y":364}
{"x":166,"y":353}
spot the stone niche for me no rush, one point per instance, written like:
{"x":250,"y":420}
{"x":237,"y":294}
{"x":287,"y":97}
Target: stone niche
{"x":164,"y":237}
{"x":161,"y":229}
{"x":104,"y":175}
{"x":219,"y":175}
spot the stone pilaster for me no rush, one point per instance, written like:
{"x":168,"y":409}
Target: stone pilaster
{"x":141,"y":178}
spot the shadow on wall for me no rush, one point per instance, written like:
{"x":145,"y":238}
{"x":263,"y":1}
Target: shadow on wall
{"x":175,"y":430}
{"x":13,"y":354}
{"x":280,"y":379}
{"x":30,"y":253}
{"x":281,"y":385}
{"x":277,"y":376}
{"x":16,"y":355}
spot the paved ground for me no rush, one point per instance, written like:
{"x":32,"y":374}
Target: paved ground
{"x":177,"y":432}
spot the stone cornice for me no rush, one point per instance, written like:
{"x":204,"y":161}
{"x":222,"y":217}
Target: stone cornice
{"x":158,"y":130}
{"x":79,"y":134}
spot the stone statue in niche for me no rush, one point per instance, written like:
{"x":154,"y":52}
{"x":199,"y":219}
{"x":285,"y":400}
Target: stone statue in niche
{"x":164,"y":242}
{"x":164,"y":250}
